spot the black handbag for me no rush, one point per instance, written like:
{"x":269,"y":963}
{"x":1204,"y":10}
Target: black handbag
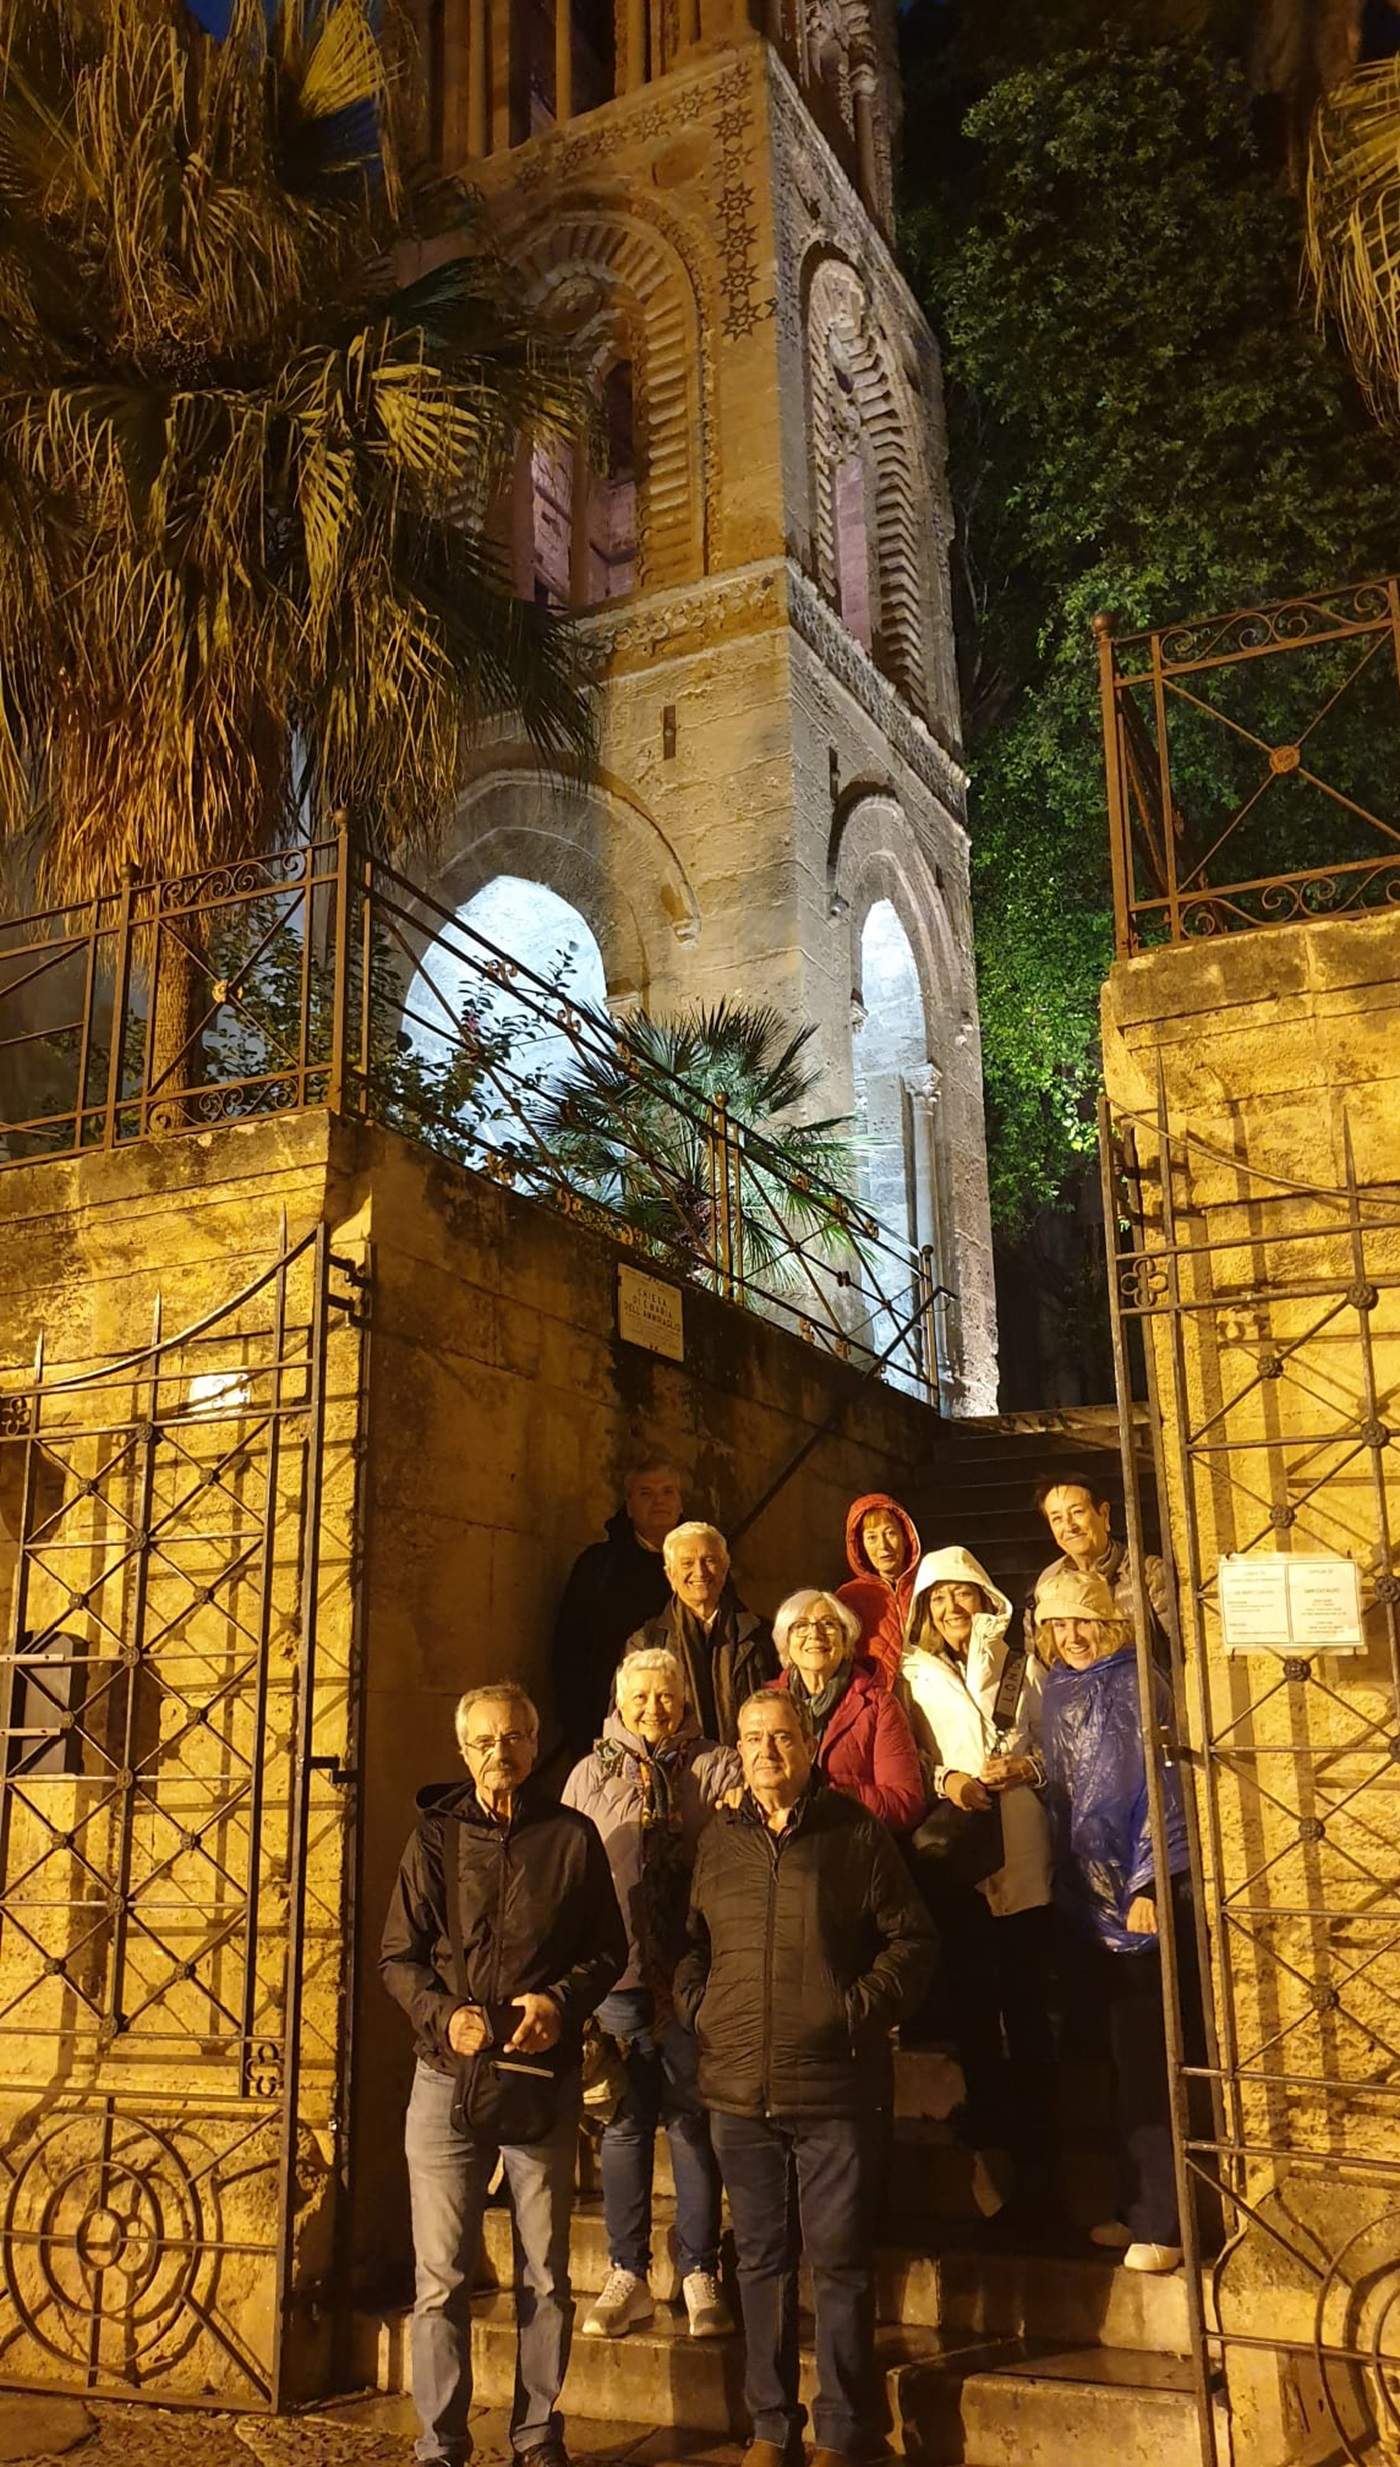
{"x":966,"y":1844}
{"x":510,"y":2098}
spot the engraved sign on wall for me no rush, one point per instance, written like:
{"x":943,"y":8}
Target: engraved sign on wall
{"x":1296,"y":1603}
{"x":649,"y":1313}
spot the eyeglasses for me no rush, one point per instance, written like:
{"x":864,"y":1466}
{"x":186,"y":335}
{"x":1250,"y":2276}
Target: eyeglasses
{"x":504,"y":1738}
{"x":816,"y":1627}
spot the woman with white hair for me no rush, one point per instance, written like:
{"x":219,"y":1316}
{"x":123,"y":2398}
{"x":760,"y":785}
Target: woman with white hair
{"x":650,"y":1784}
{"x":864,"y":1744}
{"x":983,"y":1863}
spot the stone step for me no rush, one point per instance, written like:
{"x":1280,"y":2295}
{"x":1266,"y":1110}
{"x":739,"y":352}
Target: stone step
{"x":1084,"y":2300}
{"x":951,"y":2397}
{"x":931,"y":2179}
{"x":1030,"y":2403}
{"x":931,"y":2182}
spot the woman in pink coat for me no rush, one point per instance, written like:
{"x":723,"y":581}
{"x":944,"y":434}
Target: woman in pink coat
{"x":864,"y":1744}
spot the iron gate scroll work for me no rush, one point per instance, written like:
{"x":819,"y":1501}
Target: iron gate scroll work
{"x":1269,"y":1313}
{"x":177,"y":1693}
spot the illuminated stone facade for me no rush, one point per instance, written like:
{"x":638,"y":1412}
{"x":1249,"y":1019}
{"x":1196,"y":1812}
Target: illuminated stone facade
{"x":780,"y":742}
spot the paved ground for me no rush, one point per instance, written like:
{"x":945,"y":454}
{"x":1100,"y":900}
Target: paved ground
{"x":373,"y":2432}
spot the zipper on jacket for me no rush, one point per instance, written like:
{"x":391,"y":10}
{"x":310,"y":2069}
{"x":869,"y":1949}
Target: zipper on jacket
{"x":774,"y":1843}
{"x":503,"y":1839}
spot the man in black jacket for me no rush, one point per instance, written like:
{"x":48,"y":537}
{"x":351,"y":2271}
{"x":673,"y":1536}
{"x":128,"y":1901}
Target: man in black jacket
{"x":503,"y":1933}
{"x":724,"y":1649}
{"x":614,"y":1587}
{"x":807,"y":1942}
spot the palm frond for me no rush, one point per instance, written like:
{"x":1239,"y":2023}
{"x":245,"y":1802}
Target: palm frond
{"x":246,"y":473}
{"x":1353,"y":224}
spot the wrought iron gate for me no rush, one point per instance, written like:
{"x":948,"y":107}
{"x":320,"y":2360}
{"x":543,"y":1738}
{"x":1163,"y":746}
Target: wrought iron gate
{"x":1269,"y":1317}
{"x":176,"y":1723}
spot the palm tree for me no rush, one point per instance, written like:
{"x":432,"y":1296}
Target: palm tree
{"x":1353,"y":214}
{"x":261,"y":378}
{"x":654,"y":1112}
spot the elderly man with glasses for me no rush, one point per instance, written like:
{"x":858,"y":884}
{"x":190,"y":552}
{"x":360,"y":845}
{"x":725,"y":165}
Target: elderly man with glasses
{"x":503,"y":1934}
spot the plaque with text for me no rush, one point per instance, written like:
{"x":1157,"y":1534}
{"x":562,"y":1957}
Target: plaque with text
{"x":649,"y":1313}
{"x":1276,"y":1603}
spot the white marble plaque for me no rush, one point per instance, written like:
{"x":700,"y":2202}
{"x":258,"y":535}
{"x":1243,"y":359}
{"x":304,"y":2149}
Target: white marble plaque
{"x":649,"y":1313}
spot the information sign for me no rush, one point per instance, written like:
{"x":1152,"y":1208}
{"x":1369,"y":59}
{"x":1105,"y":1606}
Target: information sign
{"x":649,"y":1313}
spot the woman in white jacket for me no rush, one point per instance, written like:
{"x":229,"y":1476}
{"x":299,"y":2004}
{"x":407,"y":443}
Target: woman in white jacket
{"x":996,"y":1933}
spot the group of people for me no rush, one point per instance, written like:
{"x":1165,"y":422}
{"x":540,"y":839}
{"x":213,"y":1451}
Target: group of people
{"x":899,"y":1810}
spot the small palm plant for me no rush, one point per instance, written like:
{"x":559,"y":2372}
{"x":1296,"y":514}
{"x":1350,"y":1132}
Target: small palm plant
{"x":261,"y":377}
{"x":653,"y":1115}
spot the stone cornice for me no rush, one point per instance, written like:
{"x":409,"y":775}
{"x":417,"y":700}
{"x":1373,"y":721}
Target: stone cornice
{"x":760,"y":599}
{"x":851,"y":665}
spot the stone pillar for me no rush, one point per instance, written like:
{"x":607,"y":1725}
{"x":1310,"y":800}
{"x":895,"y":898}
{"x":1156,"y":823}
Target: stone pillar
{"x":635,"y":66}
{"x":478,"y":97}
{"x":863,"y":86}
{"x":563,"y":61}
{"x":1259,"y":1077}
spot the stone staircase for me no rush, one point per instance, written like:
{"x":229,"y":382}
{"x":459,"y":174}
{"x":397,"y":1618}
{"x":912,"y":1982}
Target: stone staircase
{"x":992,"y":2356}
{"x":985,"y":1473}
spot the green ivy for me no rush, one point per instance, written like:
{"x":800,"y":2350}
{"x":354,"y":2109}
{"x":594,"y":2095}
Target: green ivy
{"x":1144,"y":419}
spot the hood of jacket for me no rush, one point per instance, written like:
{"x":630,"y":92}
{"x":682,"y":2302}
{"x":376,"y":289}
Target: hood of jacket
{"x":957,"y":1566}
{"x":856,"y":1559}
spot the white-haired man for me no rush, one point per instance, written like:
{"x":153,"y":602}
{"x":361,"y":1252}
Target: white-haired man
{"x":725,"y":1650}
{"x":503,"y":1934}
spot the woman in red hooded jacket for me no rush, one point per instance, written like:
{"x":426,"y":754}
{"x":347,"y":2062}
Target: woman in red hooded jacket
{"x":882,"y":1550}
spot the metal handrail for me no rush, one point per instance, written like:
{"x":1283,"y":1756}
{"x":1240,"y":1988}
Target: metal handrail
{"x":1232,"y":804}
{"x":320,"y":974}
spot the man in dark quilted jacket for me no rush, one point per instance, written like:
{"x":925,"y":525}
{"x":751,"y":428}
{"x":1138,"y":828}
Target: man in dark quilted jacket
{"x":807,"y":1943}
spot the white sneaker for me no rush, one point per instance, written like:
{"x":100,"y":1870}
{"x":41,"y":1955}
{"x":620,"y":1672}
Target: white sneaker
{"x":1111,"y":2235}
{"x":1157,"y":2258}
{"x":621,"y":2302}
{"x":710,"y":2317}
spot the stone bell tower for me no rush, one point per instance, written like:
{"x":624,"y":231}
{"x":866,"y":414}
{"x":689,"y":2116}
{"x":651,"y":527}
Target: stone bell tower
{"x":703,"y":200}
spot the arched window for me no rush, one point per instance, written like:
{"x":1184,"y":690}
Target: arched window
{"x":610,"y":550}
{"x":576,"y":523}
{"x":901,"y":1167}
{"x":870,"y":546}
{"x":851,"y":531}
{"x":552,"y":523}
{"x":529,"y":922}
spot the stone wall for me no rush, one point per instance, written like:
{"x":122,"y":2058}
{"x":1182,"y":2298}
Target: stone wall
{"x":474,"y":1445}
{"x":1272,"y":1310}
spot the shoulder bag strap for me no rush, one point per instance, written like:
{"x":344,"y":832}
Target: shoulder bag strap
{"x":1007,"y":1703}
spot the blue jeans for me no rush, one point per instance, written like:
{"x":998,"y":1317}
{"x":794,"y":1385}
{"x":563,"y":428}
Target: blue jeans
{"x":449,"y":2170}
{"x":795,"y":2186}
{"x":661,"y":2089}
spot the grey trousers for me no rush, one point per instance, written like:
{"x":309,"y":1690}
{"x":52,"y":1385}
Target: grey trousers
{"x":449,"y":2170}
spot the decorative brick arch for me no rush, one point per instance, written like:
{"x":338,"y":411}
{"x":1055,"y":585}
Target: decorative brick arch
{"x":621,"y":283}
{"x":853,"y":373}
{"x":594,"y":846}
{"x":873,"y":855}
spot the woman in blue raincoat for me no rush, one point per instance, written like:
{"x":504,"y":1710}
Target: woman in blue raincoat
{"x":1106,"y":1884}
